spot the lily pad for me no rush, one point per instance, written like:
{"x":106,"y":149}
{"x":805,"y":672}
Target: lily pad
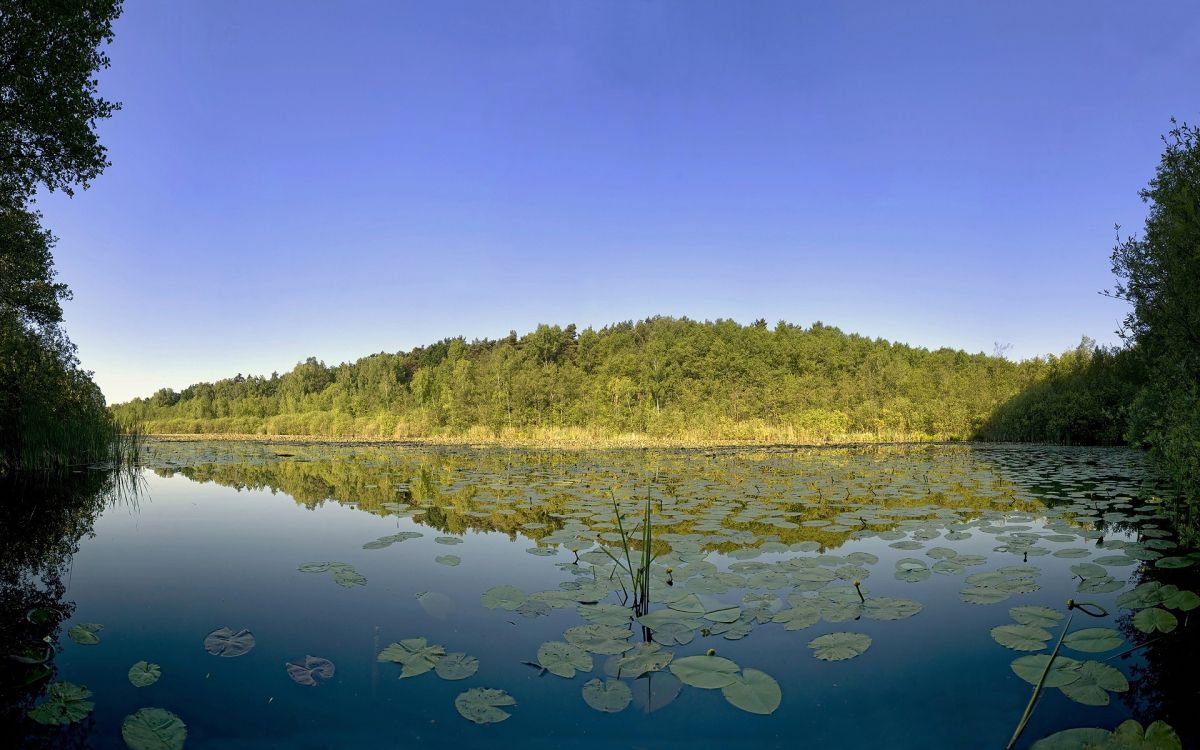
{"x":1021,"y":637}
{"x":1095,"y":681}
{"x":144,"y":674}
{"x":435,"y":604}
{"x":642,"y":659}
{"x":1093,"y":640}
{"x":154,"y":729}
{"x":415,"y":655}
{"x":449,"y":560}
{"x":655,"y":690}
{"x":66,"y":703}
{"x":229,"y":643}
{"x":839,"y":646}
{"x":1129,"y":735}
{"x":482,"y":705}
{"x":563,"y":659}
{"x":1155,"y":619}
{"x":313,"y":670}
{"x":888,"y":608}
{"x":1038,"y":617}
{"x":85,"y":633}
{"x":1064,"y":670}
{"x":599,"y":639}
{"x":709,"y":672}
{"x":754,"y":691}
{"x":456,"y":666}
{"x":608,"y":696}
{"x":503,"y":597}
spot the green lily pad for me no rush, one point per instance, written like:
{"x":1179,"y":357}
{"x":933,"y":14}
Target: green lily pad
{"x":599,"y":639}
{"x":66,"y":703}
{"x":1021,"y":637}
{"x":708,"y":672}
{"x":228,"y":642}
{"x":144,"y":674}
{"x":888,"y":608}
{"x":605,"y":614}
{"x":1093,"y":684}
{"x":503,"y":597}
{"x":1038,"y":617}
{"x":154,"y":729}
{"x":642,"y":659}
{"x":1093,"y":640}
{"x":1154,"y":619}
{"x":456,"y":666}
{"x":449,"y":560}
{"x":563,"y":659}
{"x":1184,"y":601}
{"x":1128,"y":736}
{"x":435,"y":604}
{"x":314,"y":669}
{"x":799,"y":616}
{"x":1174,"y":562}
{"x":983,"y":595}
{"x":754,"y":691}
{"x":839,"y":646}
{"x":608,"y":696}
{"x":1064,"y":670}
{"x":85,"y":633}
{"x":482,"y":705}
{"x":415,"y":655}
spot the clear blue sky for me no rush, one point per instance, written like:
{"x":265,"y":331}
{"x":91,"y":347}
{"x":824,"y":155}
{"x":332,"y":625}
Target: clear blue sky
{"x":334,"y":179}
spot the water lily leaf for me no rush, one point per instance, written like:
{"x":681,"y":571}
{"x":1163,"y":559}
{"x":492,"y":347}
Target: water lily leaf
{"x":85,"y":633}
{"x":1093,"y":684}
{"x":709,"y":672}
{"x":1184,"y":601}
{"x":642,"y":659}
{"x":1155,"y":619}
{"x":348,"y":578}
{"x":605,"y":614}
{"x":1144,"y":595}
{"x":415,"y":655}
{"x":229,"y":643}
{"x":1064,"y":670}
{"x":1082,"y":738}
{"x":449,"y":560}
{"x":983,"y":595}
{"x":599,"y":639}
{"x":435,"y":604}
{"x":675,"y":633}
{"x":655,"y":690}
{"x":1038,"y":617}
{"x":839,"y":646}
{"x":315,"y":567}
{"x":144,"y":674}
{"x":481,"y":705}
{"x":456,"y":666}
{"x":1174,"y":562}
{"x":448,"y":540}
{"x":799,"y":616}
{"x":154,"y":729}
{"x":1089,"y":570}
{"x":563,"y":659}
{"x":66,"y":703}
{"x":387,"y":541}
{"x":888,"y":608}
{"x":754,"y":691}
{"x":1021,"y":637}
{"x":608,"y":696}
{"x":311,"y":671}
{"x":1093,"y":640}
{"x":503,"y":597}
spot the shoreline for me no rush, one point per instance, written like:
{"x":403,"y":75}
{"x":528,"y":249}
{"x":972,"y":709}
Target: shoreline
{"x":629,"y":443}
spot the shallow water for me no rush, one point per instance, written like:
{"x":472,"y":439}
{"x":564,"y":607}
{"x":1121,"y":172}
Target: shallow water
{"x":217,"y":535}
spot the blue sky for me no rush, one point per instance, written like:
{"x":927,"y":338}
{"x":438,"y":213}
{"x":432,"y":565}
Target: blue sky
{"x":334,"y":179}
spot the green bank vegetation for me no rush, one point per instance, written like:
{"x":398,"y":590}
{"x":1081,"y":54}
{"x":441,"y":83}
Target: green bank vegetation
{"x":52,"y":415}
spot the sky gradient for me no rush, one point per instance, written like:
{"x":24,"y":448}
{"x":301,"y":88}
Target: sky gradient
{"x":301,"y":179}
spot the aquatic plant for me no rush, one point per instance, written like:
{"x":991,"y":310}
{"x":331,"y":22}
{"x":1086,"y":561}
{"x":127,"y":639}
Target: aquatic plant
{"x":639,"y":575}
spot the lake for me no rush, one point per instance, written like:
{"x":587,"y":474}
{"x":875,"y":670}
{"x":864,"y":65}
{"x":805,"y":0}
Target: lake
{"x":299,"y":596}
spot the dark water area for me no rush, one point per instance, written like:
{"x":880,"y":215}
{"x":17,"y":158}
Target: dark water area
{"x":338,"y":552}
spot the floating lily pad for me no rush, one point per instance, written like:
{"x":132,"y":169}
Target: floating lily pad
{"x":754,"y":691}
{"x":1021,"y":637}
{"x":709,"y":672}
{"x":482,"y":705}
{"x":563,"y":659}
{"x":642,"y":659}
{"x":839,"y":646}
{"x":449,"y":560}
{"x":435,"y":604}
{"x":312,"y":670}
{"x":456,"y":666}
{"x":154,"y":729}
{"x":503,"y":597}
{"x":1129,"y":735}
{"x":415,"y":655}
{"x":655,"y":690}
{"x":1064,"y":670}
{"x":144,"y":674}
{"x":1093,"y":640}
{"x":983,"y":595}
{"x":85,"y":633}
{"x":1184,"y":601}
{"x":608,"y":696}
{"x":66,"y":703}
{"x":1153,"y":620}
{"x":1093,"y":684}
{"x":599,"y":639}
{"x":228,"y":642}
{"x":1039,"y":617}
{"x":888,"y":608}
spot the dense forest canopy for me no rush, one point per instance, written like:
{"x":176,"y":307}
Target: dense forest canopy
{"x":660,"y":377}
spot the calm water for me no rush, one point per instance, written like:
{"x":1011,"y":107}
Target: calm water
{"x":217,"y":534}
